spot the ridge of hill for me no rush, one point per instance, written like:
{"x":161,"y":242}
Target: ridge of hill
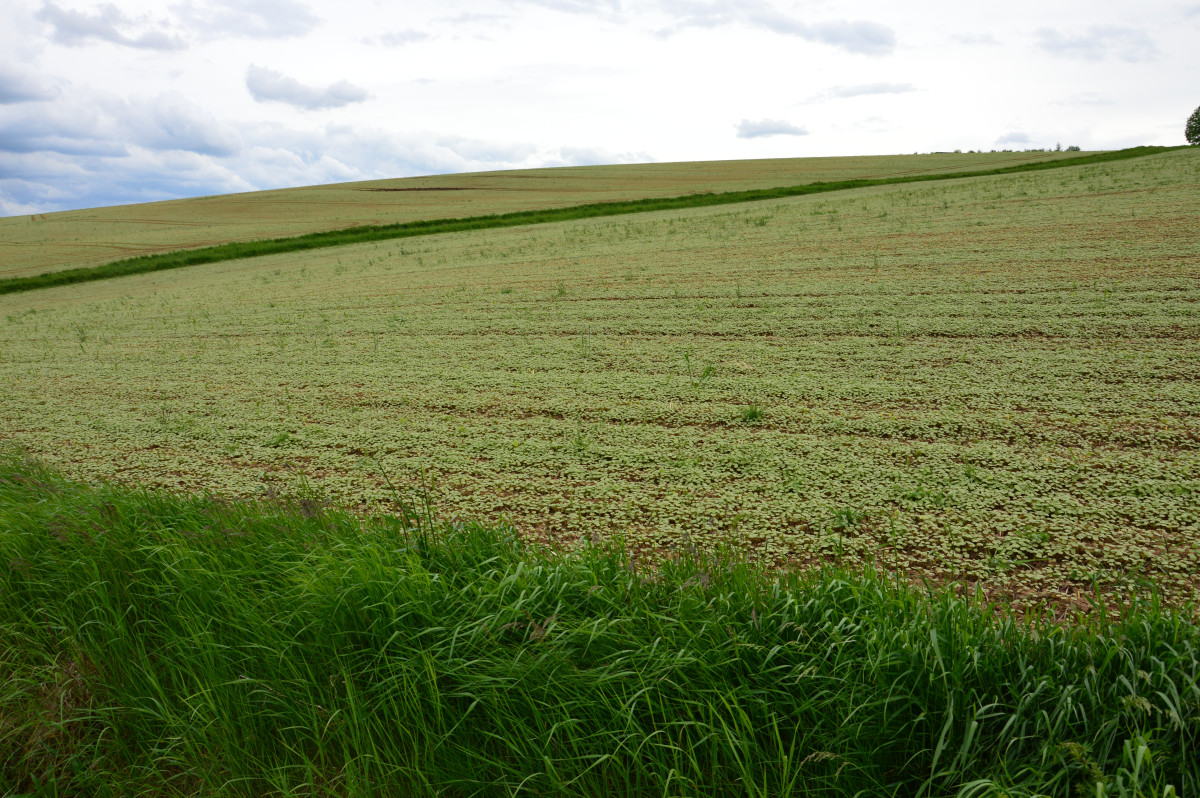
{"x":73,"y":240}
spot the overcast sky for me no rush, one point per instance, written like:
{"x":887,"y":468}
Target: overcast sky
{"x":116,"y":102}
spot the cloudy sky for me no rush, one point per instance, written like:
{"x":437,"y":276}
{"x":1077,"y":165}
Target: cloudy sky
{"x":114,"y":102}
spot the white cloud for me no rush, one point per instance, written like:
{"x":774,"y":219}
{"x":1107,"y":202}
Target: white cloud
{"x":84,"y":130}
{"x":864,"y":89}
{"x":107,"y":127}
{"x":398,"y":38}
{"x":595,"y":156}
{"x":267,"y":85}
{"x":107,"y":24}
{"x":172,"y":122}
{"x":202,"y":19}
{"x":1099,"y":42}
{"x":487,"y":151}
{"x":470,"y":19}
{"x":1086,"y":98}
{"x":51,"y":181}
{"x":10,"y":207}
{"x":368,"y":152}
{"x":1014,"y":137}
{"x":856,"y":36}
{"x":579,"y":6}
{"x":18,"y":85}
{"x":976,"y":39}
{"x":768,"y":127}
{"x":26,"y":136}
{"x":250,"y":19}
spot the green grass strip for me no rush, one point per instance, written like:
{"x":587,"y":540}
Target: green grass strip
{"x":356,"y":235}
{"x":154,"y":644}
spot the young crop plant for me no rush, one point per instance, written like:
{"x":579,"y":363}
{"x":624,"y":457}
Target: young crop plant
{"x":844,"y":522}
{"x":696,"y":376}
{"x":278,"y":440}
{"x":848,"y":519}
{"x":585,"y":344}
{"x":752,"y":414}
{"x":580,"y":441}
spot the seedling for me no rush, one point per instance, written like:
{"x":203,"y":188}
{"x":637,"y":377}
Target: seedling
{"x":752,"y":414}
{"x":697,"y":378}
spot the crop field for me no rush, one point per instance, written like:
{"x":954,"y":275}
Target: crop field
{"x":994,"y":380}
{"x":51,"y":242}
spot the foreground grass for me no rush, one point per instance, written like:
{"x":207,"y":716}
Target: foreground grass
{"x":143,"y":264}
{"x":156,"y":644}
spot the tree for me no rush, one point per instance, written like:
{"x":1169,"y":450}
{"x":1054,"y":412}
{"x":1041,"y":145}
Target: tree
{"x":1192,"y":131}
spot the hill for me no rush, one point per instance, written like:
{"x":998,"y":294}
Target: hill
{"x":989,"y":379}
{"x":53,"y":241}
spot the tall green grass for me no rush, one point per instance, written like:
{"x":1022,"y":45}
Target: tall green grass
{"x":156,"y":644}
{"x":356,"y":235}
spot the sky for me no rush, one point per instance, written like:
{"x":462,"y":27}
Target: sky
{"x":105,"y":103}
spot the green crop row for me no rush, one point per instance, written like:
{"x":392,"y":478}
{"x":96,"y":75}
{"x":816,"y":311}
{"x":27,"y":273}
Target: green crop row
{"x":365,"y":233}
{"x":994,"y":380}
{"x":990,"y":379}
{"x":161,"y":645}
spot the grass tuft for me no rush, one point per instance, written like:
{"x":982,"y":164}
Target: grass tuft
{"x":187,"y":645}
{"x":752,"y":414}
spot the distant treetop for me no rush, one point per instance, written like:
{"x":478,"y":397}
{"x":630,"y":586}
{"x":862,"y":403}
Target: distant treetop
{"x":1192,"y":130}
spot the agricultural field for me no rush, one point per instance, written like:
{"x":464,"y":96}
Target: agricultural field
{"x":992,"y":379}
{"x":51,"y":242}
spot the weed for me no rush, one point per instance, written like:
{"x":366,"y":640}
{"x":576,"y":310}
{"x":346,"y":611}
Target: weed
{"x":698,"y":378}
{"x":752,"y":414}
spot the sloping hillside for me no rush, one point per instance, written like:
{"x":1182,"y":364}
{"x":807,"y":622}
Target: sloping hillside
{"x":992,"y":379}
{"x":53,"y":241}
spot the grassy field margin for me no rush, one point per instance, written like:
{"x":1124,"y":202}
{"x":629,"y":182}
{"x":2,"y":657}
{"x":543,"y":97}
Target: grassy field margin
{"x":355,"y":235}
{"x":170,"y":645}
